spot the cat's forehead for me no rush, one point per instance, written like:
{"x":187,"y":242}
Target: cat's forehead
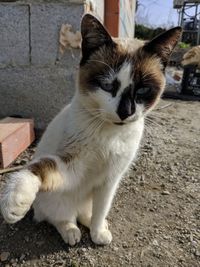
{"x":117,"y":67}
{"x":124,"y":74}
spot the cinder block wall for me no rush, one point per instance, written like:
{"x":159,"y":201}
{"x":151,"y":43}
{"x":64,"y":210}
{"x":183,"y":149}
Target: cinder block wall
{"x":35,"y":80}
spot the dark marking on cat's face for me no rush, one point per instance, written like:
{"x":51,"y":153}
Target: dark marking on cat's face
{"x":123,"y":83}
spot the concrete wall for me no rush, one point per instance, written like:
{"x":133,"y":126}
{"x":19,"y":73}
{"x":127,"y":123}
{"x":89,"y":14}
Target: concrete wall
{"x":35,"y":80}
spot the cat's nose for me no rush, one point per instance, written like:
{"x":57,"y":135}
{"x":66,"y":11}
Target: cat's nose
{"x":126,"y":108}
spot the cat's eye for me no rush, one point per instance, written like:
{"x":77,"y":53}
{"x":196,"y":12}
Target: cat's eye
{"x":143,"y":91}
{"x":107,"y":86}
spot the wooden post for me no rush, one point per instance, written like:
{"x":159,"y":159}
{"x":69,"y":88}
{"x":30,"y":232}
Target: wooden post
{"x":111,"y":17}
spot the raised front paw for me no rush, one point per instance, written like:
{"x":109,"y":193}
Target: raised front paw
{"x":18,"y":195}
{"x":101,"y":237}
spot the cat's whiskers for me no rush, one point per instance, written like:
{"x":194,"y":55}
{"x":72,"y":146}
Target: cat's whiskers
{"x":93,"y":120}
{"x":94,"y":127}
{"x":90,"y":124}
{"x":91,"y":111}
{"x":148,"y":129}
{"x":98,"y":113}
{"x":156,"y":126}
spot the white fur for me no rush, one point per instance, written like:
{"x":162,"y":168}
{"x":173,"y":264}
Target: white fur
{"x":124,"y":76}
{"x":109,"y":104}
{"x":94,"y":174}
{"x":19,"y":195}
{"x":103,"y":153}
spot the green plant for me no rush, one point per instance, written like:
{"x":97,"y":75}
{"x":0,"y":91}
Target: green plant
{"x":183,"y":45}
{"x":146,"y":33}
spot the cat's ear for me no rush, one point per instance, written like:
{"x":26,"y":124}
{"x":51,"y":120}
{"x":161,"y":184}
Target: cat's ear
{"x":163,"y":44}
{"x":94,"y":35}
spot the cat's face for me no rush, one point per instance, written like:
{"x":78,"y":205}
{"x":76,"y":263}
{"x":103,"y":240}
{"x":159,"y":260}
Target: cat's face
{"x":121,"y":83}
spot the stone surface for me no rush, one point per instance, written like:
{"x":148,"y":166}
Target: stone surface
{"x":35,"y":92}
{"x":46,"y":21}
{"x":14,"y":37}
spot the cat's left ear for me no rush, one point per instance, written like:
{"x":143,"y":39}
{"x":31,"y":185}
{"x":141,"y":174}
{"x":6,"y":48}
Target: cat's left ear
{"x":94,"y":35}
{"x":163,"y":44}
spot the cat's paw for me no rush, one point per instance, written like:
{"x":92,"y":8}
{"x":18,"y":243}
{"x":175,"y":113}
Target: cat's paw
{"x":18,"y":195}
{"x":72,"y":236}
{"x":101,"y":237}
{"x":70,"y":233}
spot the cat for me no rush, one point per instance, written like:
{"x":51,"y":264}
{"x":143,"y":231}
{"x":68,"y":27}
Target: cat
{"x":91,"y":143}
{"x":192,"y":57}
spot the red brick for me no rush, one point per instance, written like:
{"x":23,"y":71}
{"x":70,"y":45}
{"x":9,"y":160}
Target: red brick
{"x":15,"y":136}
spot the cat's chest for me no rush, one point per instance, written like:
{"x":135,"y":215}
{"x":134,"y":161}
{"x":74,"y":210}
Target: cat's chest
{"x":112,"y":154}
{"x":113,"y":148}
{"x":123,"y":144}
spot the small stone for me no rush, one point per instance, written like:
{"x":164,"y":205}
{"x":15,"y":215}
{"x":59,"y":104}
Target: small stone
{"x":115,"y":248}
{"x":4,"y":256}
{"x":166,"y":237}
{"x":197,"y":253}
{"x":12,"y":260}
{"x":40,"y":243}
{"x":165,"y":192}
{"x":22,"y":257}
{"x":141,"y":179}
{"x":125,"y":245}
{"x":155,"y":243}
{"x":26,"y":239}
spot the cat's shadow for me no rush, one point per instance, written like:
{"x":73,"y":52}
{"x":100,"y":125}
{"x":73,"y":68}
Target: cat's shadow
{"x":30,"y":240}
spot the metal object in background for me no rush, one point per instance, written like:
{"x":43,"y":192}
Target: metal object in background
{"x":189,"y":12}
{"x":191,"y":81}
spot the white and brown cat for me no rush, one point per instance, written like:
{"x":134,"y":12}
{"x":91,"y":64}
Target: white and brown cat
{"x":91,"y":143}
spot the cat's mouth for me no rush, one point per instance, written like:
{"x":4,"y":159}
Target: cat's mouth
{"x":119,"y":123}
{"x":126,"y":122}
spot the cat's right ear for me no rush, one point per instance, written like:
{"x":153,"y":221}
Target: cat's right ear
{"x":163,"y":44}
{"x":94,"y":35}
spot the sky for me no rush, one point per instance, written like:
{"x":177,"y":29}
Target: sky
{"x":157,"y":13}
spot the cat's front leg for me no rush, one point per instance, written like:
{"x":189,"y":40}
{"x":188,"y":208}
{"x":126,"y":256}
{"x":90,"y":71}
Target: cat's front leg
{"x":102,"y":201}
{"x":21,"y":187}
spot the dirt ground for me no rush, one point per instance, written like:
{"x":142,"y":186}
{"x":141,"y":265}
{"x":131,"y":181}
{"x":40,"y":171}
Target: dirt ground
{"x":155,"y":218}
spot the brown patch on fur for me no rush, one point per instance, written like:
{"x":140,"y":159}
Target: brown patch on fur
{"x":46,"y":169}
{"x":94,"y":35}
{"x":148,"y":71}
{"x":66,"y":158}
{"x":163,"y":44}
{"x":104,"y":60}
{"x":128,"y":45}
{"x":103,"y":56}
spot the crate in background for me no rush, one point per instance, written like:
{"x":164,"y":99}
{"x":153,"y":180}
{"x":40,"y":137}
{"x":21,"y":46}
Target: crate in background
{"x":191,"y":81}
